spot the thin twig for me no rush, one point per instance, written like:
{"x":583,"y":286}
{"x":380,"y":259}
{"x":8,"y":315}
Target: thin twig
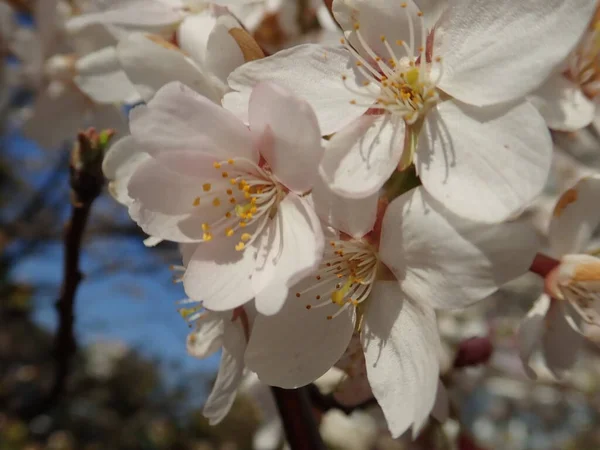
{"x":298,"y":419}
{"x":86,"y":182}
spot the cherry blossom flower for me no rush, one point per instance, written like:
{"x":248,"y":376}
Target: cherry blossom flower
{"x":385,"y":286}
{"x":210,"y":45}
{"x":568,"y":99}
{"x":572,"y":296}
{"x":225,"y":331}
{"x":238,"y":191}
{"x":65,"y":70}
{"x":448,"y":99}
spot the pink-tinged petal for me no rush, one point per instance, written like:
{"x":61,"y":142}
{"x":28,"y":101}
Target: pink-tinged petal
{"x":207,"y":337}
{"x":531,"y":330}
{"x":560,"y":342}
{"x":231,"y":371}
{"x":495,"y":52}
{"x":311,"y":72}
{"x":360,"y":158}
{"x":219,"y":275}
{"x":150,"y":63}
{"x":355,"y":217}
{"x":178,"y":118}
{"x":377,"y":18}
{"x":446,"y":261}
{"x":484,"y":164}
{"x":575,"y":217}
{"x":297,"y":345}
{"x":289,"y":135}
{"x":133,"y":15}
{"x":100,"y":76}
{"x":169,"y":200}
{"x":562,"y":104}
{"x":119,"y":164}
{"x":401,"y":344}
{"x":290,"y":250}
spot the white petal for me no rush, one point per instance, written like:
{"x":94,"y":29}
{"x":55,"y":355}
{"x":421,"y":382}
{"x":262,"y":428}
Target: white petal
{"x":291,"y":140}
{"x":484,"y":163}
{"x":377,"y":18}
{"x":560,"y":341}
{"x":193,"y":32}
{"x":151,"y":62}
{"x":575,"y":217}
{"x":119,"y":164}
{"x":360,"y":158}
{"x":178,"y":118}
{"x":297,"y":346}
{"x":562,"y":104}
{"x":207,"y":337}
{"x":219,"y":275}
{"x":355,"y":217}
{"x":133,"y":15}
{"x":401,"y":343}
{"x":448,"y":261}
{"x":531,"y":330}
{"x":495,"y":52}
{"x":311,"y":72}
{"x":230,"y":374}
{"x":100,"y":76}
{"x":291,"y":250}
{"x":224,"y":54}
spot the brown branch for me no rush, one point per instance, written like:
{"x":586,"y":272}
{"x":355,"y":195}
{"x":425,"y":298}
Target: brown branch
{"x":298,"y":418}
{"x":87,"y":181}
{"x":542,"y":265}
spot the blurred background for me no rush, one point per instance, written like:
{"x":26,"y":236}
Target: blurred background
{"x":129,"y":383}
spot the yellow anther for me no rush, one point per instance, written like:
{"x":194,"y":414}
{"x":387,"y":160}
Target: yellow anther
{"x":382,"y":38}
{"x":229,"y":232}
{"x":216,"y":202}
{"x":196,"y":201}
{"x":228,"y":214}
{"x":207,"y":236}
{"x":217,"y":165}
{"x":342,"y":41}
{"x":253,"y":210}
{"x":230,"y":161}
{"x":241,"y":185}
{"x":205,"y":227}
{"x":232,"y":200}
{"x":240,"y":246}
{"x":206,"y":187}
{"x":246,"y":237}
{"x":233,"y":181}
{"x":353,"y":102}
{"x":403,"y":4}
{"x":224,"y":174}
{"x":247,"y":195}
{"x":344,"y":77}
{"x":229,"y":192}
{"x":243,"y":224}
{"x":420,"y":14}
{"x":399,"y":42}
{"x":356,"y":26}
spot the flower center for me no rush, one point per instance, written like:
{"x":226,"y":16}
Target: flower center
{"x":577,"y":280}
{"x":244,"y":200}
{"x":345,"y":276}
{"x":401,"y":81}
{"x":584,"y":64}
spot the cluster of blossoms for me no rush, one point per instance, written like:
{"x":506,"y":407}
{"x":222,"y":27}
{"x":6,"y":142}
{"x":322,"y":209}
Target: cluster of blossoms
{"x":328,"y":199}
